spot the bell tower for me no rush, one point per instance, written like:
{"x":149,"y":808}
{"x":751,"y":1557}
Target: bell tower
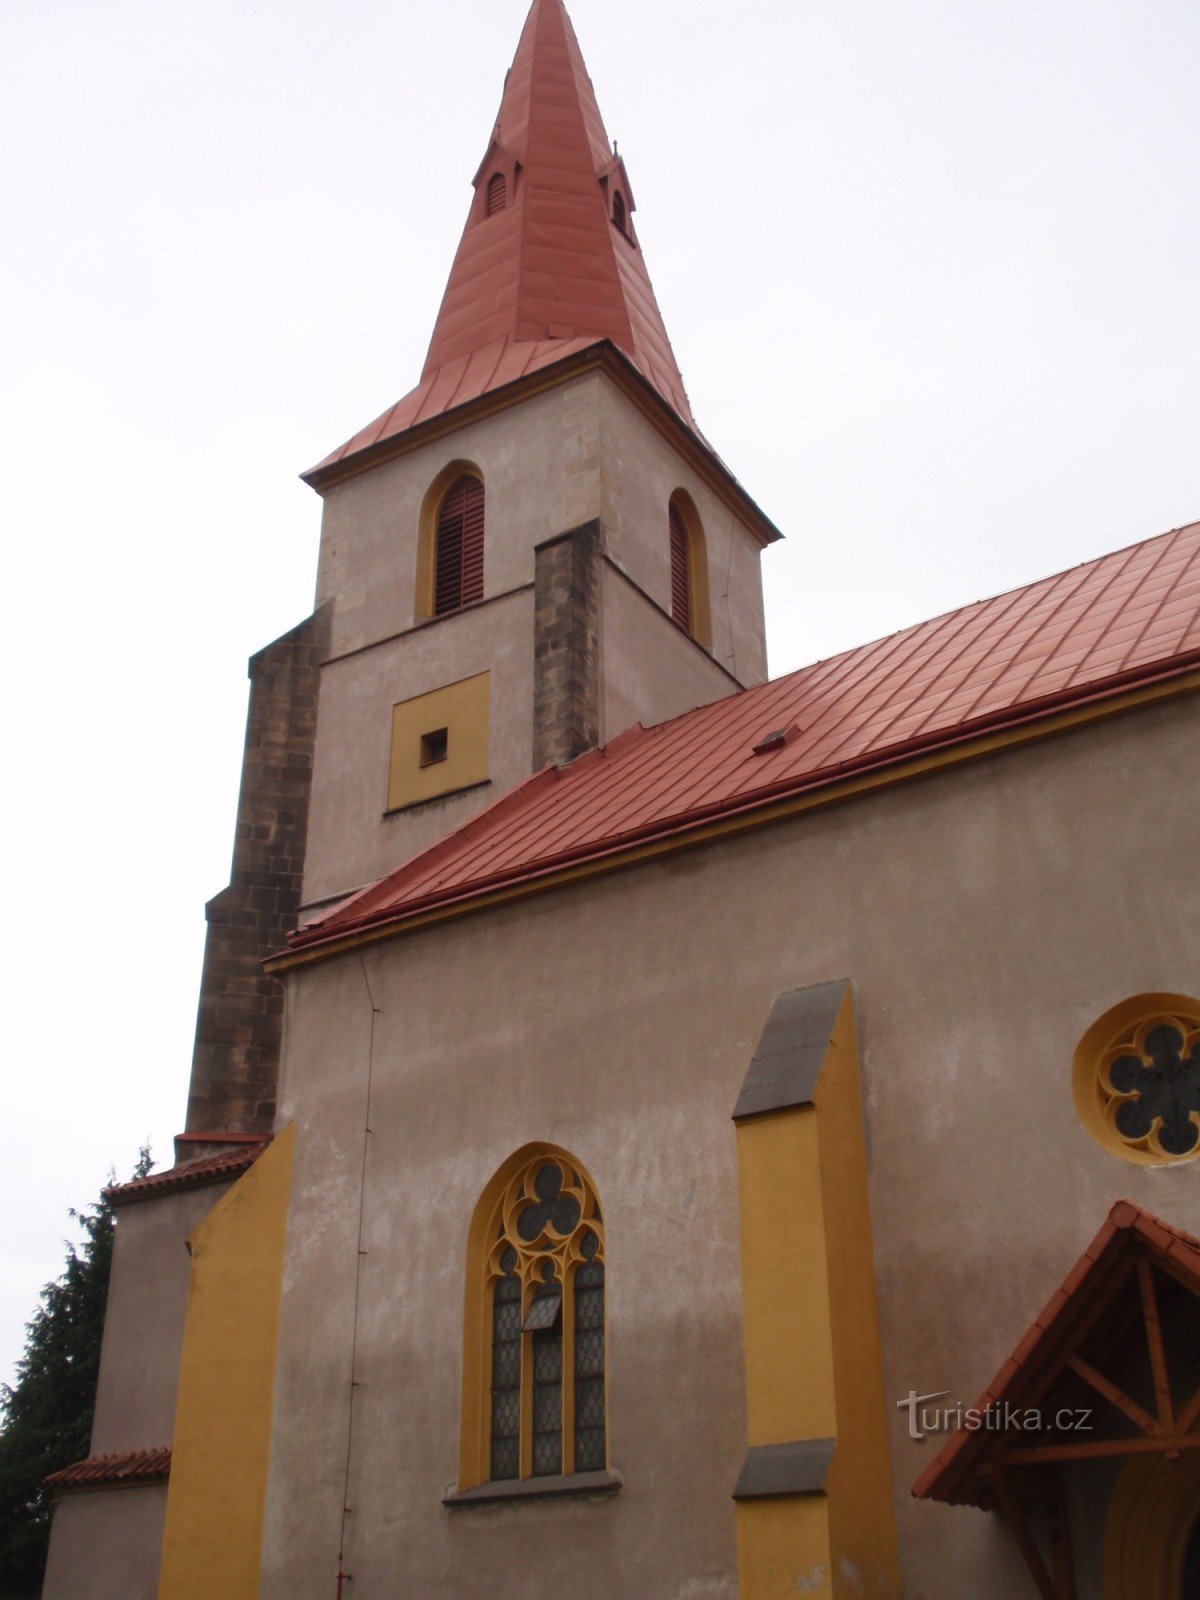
{"x":531,"y":551}
{"x":610,"y":571}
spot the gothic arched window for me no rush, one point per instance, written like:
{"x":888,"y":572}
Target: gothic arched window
{"x":681,"y":582}
{"x":689,"y":569}
{"x":458,"y":554}
{"x":535,"y":1382}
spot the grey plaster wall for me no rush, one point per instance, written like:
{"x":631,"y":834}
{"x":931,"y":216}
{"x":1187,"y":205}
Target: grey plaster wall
{"x":351,"y":840}
{"x":106,"y":1544}
{"x":652,"y":669}
{"x":540,"y":463}
{"x":641,"y":472}
{"x":986,"y":917}
{"x":143,"y":1327}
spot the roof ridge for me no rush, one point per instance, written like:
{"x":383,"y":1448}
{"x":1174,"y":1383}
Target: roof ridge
{"x":969,"y":605}
{"x":911,"y":627}
{"x":1128,"y":1214}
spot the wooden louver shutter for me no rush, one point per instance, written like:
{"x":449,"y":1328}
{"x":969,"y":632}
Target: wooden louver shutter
{"x":681,"y":598}
{"x":458,"y":575}
{"x":497,"y":194}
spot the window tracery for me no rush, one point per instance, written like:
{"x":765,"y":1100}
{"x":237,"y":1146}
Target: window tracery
{"x":545,"y":1272}
{"x":1137,"y":1079}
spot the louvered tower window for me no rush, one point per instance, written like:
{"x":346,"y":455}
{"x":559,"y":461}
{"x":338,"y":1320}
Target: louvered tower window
{"x":458,"y":567}
{"x":497,"y":194}
{"x":681,"y":592}
{"x":619,"y":210}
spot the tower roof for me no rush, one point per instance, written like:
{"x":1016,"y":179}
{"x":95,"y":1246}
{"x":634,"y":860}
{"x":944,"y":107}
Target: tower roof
{"x":549,"y":263}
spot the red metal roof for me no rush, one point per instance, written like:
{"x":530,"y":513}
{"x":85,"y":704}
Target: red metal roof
{"x":133,"y":1466}
{"x":1051,"y":1338}
{"x":190,"y":1174}
{"x":1127,"y":619}
{"x":549,"y":274}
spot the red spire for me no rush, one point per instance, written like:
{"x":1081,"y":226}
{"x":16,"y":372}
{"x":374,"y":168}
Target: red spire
{"x":548,"y":263}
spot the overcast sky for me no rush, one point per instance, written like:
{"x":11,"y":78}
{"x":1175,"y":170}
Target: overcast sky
{"x":930,"y":271}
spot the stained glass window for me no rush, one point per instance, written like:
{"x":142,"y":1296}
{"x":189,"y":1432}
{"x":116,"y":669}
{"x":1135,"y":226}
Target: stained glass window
{"x":547,"y":1275}
{"x":547,"y":1400}
{"x":589,"y":1368}
{"x":506,"y":1378}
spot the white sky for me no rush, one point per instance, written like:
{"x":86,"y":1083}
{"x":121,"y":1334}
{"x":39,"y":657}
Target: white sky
{"x":930,"y":270}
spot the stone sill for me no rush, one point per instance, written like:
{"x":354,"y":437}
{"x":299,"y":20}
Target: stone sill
{"x":510,"y":1489}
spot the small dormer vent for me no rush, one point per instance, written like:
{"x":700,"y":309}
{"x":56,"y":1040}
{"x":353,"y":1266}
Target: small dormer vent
{"x":776,"y":739}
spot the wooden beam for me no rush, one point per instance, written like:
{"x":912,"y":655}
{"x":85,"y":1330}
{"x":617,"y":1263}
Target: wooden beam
{"x":1075,"y":1331}
{"x":1062,"y":1560}
{"x":1180,"y":1274}
{"x":1112,"y":1393}
{"x":1098,"y":1449}
{"x":1187,"y":1417}
{"x":1015,"y":1517}
{"x":1154,"y":1338}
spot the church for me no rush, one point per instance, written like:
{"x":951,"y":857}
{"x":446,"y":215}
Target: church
{"x":656,"y":1132}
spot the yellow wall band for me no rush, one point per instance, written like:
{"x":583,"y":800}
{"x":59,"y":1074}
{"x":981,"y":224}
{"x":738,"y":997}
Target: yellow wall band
{"x":784,"y":1549}
{"x":213,"y":1538}
{"x":813,"y":1353}
{"x":458,"y":713}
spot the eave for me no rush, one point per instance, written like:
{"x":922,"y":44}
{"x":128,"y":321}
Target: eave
{"x":603,"y":356}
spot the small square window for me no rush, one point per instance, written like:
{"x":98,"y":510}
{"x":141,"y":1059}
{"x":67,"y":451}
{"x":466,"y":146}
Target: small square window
{"x":435,"y":747}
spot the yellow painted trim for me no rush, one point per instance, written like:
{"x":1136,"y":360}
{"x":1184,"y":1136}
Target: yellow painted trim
{"x":861,"y":1517}
{"x":423,"y":589}
{"x":814,"y":1359}
{"x":495,"y":1208}
{"x":1121,"y":1029}
{"x":600,"y":357}
{"x":785,"y":1280}
{"x":700,"y":621}
{"x":784,"y":1549}
{"x":462,"y":710}
{"x":756,"y":815}
{"x":1150,"y":1517}
{"x":215,"y":1500}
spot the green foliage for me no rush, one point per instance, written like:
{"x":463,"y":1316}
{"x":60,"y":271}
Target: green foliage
{"x":46,"y":1416}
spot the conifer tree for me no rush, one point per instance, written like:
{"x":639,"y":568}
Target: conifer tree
{"x":46,"y":1416}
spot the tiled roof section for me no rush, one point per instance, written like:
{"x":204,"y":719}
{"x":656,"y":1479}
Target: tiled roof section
{"x":99,"y":1472}
{"x":1126,"y":619}
{"x":189,"y":1174}
{"x":950,"y":1476}
{"x":549,"y":274}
